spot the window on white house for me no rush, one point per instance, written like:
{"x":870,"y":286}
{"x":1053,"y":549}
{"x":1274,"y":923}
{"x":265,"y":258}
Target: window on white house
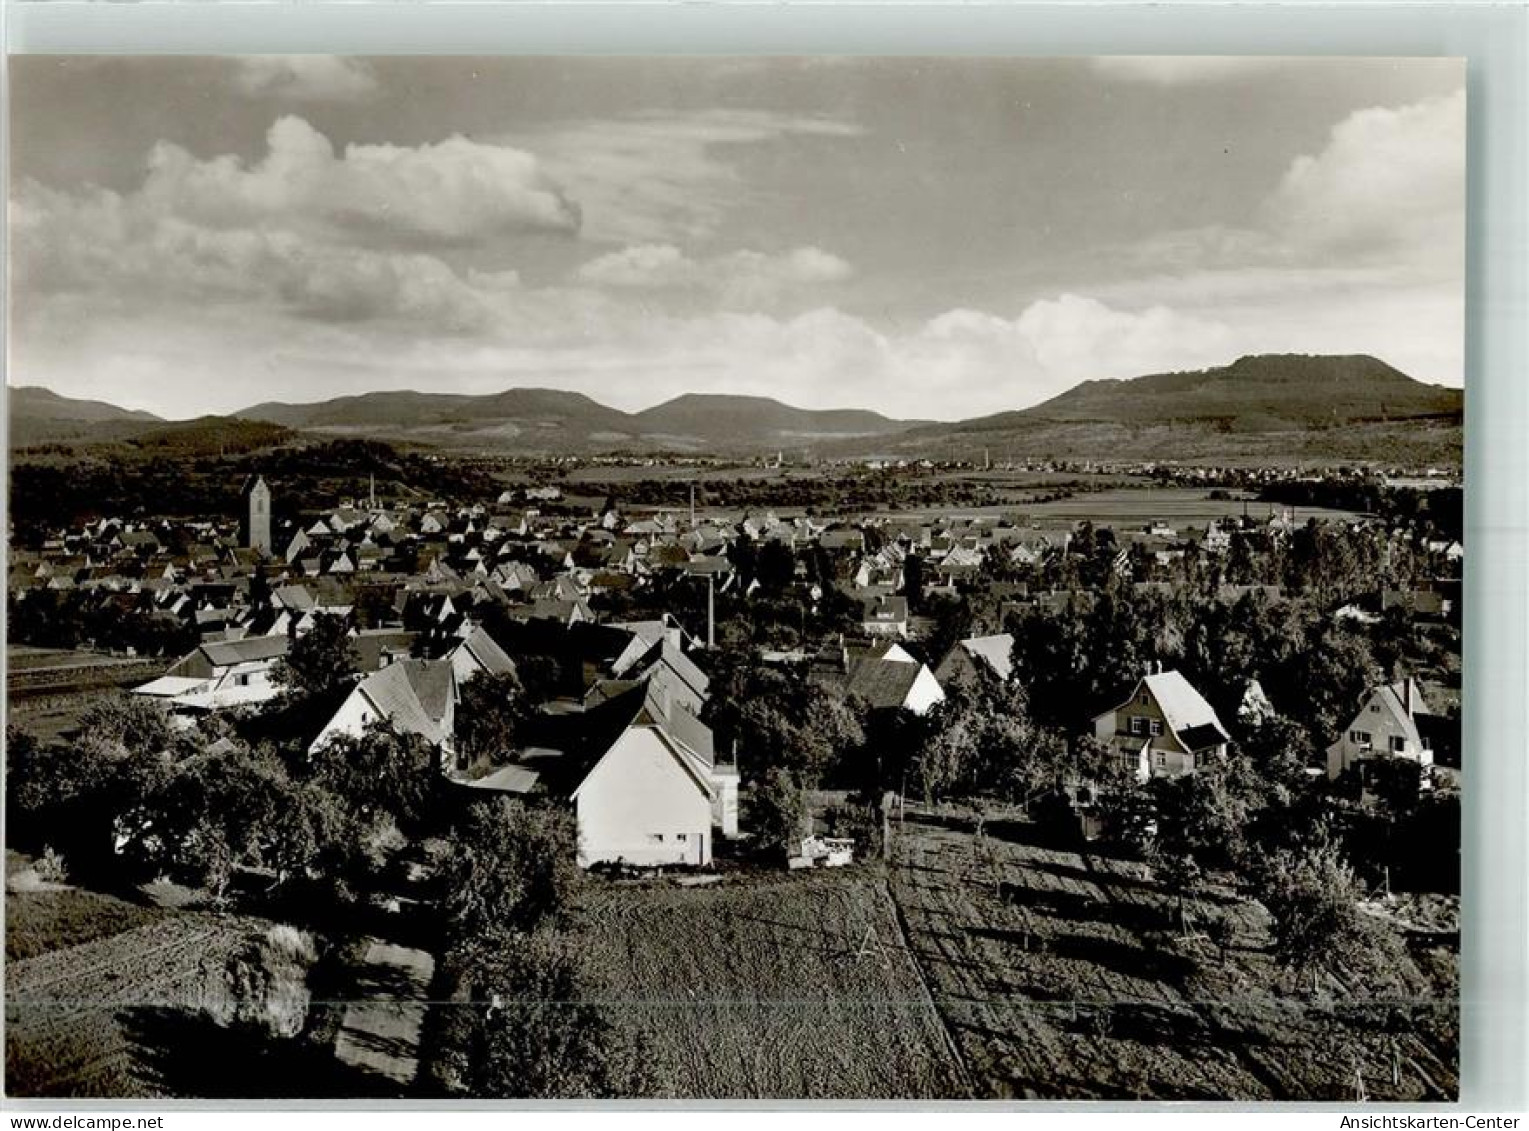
{"x":1138,"y":725}
{"x":1155,"y":727}
{"x":682,"y":837}
{"x":656,"y":838}
{"x":1398,"y":744}
{"x":1362,"y":737}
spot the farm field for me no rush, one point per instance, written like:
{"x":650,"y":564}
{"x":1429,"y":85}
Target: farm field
{"x":81,"y":1021}
{"x":37,"y":922}
{"x":1121,"y":507}
{"x":769,"y":989}
{"x":48,"y":689}
{"x":1076,"y":982}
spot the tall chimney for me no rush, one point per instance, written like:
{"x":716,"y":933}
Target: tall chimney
{"x":711,"y":611}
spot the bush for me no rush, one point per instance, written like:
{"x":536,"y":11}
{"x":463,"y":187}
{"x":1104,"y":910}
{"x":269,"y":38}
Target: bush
{"x":264,"y":984}
{"x":50,"y":867}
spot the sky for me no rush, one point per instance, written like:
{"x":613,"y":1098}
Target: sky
{"x":928,"y":238}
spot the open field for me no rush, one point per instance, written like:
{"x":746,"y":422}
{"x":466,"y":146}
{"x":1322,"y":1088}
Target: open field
{"x":37,"y":922}
{"x":48,"y":689}
{"x":80,"y":1021}
{"x":1076,"y":981}
{"x":1121,"y":508}
{"x":769,"y":989}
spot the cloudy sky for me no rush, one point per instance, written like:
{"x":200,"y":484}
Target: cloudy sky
{"x":928,"y":238}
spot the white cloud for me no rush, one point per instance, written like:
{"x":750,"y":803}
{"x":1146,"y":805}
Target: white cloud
{"x":622,"y":352}
{"x":454,"y":190}
{"x":737,"y":279}
{"x":661,"y":179}
{"x":1390,"y":182}
{"x":304,"y":78}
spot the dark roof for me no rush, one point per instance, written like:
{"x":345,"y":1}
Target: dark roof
{"x":884,"y":684}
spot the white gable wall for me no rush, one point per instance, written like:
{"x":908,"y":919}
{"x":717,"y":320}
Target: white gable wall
{"x":925,"y":692}
{"x":352,"y":719}
{"x":639,"y":805}
{"x":1378,"y":729}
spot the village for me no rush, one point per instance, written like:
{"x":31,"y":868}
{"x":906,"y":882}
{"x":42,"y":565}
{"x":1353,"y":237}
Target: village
{"x":434,"y":724}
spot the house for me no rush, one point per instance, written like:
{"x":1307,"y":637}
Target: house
{"x":479,"y":653}
{"x":1164,"y":729}
{"x":885,"y":616}
{"x":641,"y":776}
{"x":888,"y":678}
{"x":1388,"y":722}
{"x":970,"y":657}
{"x":411,"y":696}
{"x":218,"y":675}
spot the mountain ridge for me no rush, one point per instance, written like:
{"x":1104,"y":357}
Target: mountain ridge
{"x":1333,"y":405}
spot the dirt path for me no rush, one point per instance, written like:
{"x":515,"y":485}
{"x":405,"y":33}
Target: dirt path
{"x":380,"y":1031}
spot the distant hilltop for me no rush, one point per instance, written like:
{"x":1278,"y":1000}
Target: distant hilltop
{"x":1352,"y":407}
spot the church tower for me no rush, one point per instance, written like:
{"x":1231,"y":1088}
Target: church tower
{"x":255,"y":523}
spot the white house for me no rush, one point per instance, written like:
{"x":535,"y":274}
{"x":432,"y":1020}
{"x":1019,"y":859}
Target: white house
{"x":1166,"y":728}
{"x":647,"y":801}
{"x":890,"y":678}
{"x":641,"y":773}
{"x":412,"y":696}
{"x":1387,"y":723}
{"x":477,"y":653}
{"x":219,"y":675}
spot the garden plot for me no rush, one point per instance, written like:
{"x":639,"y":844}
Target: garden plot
{"x":1068,"y":976}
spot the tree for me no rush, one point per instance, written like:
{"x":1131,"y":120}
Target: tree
{"x":321,"y":664}
{"x":1201,"y":815}
{"x":488,"y":718}
{"x":525,"y":1029}
{"x":775,"y":566}
{"x":511,"y":867}
{"x":1313,"y":899}
{"x":778,"y":812}
{"x":133,"y":722}
{"x":1280,"y":750}
{"x":379,"y":775}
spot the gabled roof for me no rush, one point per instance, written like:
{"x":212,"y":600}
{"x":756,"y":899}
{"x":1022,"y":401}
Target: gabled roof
{"x":1192,"y":720}
{"x":412,"y":695}
{"x":995,"y":651}
{"x":884,"y":684}
{"x":249,"y":650}
{"x":489,"y":656}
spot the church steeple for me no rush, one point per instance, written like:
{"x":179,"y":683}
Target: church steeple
{"x":255,"y":522}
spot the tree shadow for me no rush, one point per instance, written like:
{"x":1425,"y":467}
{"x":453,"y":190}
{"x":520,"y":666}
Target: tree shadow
{"x":1123,"y":958}
{"x":1055,"y":903}
{"x":185,"y":1053}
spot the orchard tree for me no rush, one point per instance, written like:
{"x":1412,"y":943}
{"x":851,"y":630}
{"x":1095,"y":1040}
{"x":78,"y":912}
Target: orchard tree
{"x":1313,"y":899}
{"x":380,"y":775}
{"x":512,"y":867}
{"x":778,"y":812}
{"x":321,"y":664}
{"x":523,"y":1027}
{"x":489,"y":717}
